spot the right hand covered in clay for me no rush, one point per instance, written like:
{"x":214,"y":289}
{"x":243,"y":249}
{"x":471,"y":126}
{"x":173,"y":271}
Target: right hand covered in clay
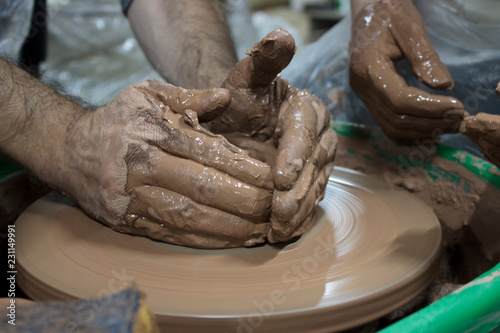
{"x":287,"y":127}
{"x":143,"y":165}
{"x":385,"y":31}
{"x":484,"y":130}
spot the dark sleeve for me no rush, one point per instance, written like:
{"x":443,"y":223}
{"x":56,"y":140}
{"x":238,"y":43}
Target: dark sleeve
{"x":126,"y":5}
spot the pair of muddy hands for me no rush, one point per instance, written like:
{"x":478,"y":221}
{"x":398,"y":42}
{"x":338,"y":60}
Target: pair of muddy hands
{"x":388,"y":30}
{"x":161,"y":174}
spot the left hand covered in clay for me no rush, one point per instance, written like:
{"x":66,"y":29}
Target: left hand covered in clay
{"x":143,"y":165}
{"x":383,"y":32}
{"x":484,"y":130}
{"x":284,"y":126}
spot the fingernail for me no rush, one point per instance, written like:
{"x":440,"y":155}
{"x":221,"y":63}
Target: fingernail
{"x":454,"y":114}
{"x":443,"y":82}
{"x":436,"y":75}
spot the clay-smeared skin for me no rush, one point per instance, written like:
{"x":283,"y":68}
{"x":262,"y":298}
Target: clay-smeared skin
{"x":284,"y":126}
{"x":382,"y":33}
{"x":484,"y":130}
{"x":146,"y":166}
{"x":165,"y":176}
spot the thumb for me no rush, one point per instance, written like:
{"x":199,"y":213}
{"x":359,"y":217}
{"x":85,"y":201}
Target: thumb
{"x":265,"y":61}
{"x":208,"y":104}
{"x":270,"y":56}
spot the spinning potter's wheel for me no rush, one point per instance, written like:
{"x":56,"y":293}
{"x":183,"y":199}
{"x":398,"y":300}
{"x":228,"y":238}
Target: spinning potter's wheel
{"x":372,"y":250}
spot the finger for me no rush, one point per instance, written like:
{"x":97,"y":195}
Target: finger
{"x":408,"y":127}
{"x":270,"y":56}
{"x":171,"y":134}
{"x":450,"y":123}
{"x":262,"y":151}
{"x":180,"y":220}
{"x":403,"y":134}
{"x":265,"y":61}
{"x":302,"y":118}
{"x":390,"y":88}
{"x":411,"y":35}
{"x":416,"y":102}
{"x":321,"y":183}
{"x":308,"y":223}
{"x":326,"y":149}
{"x":286,"y":204}
{"x":482,"y":125}
{"x":143,"y":226}
{"x":205,"y":185}
{"x":497,"y":90}
{"x":208,"y":104}
{"x":308,"y":220}
{"x":286,"y":227}
{"x":404,"y":122}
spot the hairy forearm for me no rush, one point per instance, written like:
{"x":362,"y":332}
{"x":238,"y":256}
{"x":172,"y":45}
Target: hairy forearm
{"x":35,"y":123}
{"x":188,"y":42}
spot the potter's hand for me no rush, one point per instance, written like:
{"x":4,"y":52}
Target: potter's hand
{"x":268,"y":114}
{"x":148,"y":168}
{"x":484,"y":130}
{"x":382,"y":32}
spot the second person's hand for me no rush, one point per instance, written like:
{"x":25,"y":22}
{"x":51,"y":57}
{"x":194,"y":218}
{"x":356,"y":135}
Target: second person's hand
{"x":383,"y":32}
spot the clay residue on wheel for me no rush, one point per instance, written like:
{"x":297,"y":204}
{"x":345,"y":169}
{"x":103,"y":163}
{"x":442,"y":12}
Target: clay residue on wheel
{"x":463,"y":202}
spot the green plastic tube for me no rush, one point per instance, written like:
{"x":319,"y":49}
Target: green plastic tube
{"x":474,"y":307}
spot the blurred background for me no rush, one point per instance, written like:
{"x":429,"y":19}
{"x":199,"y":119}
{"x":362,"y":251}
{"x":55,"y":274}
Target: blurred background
{"x":87,"y":49}
{"x":91,"y":51}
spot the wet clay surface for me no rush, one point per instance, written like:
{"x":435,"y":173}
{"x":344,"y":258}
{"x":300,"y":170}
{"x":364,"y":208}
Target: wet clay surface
{"x":466,"y":206}
{"x":340,"y":274}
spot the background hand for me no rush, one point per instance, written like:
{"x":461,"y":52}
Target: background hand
{"x":284,"y":126}
{"x":382,"y":33}
{"x":484,"y":130}
{"x":146,"y":166}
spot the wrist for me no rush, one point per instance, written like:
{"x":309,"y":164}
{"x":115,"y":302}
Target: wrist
{"x":62,"y":171}
{"x":37,"y":121}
